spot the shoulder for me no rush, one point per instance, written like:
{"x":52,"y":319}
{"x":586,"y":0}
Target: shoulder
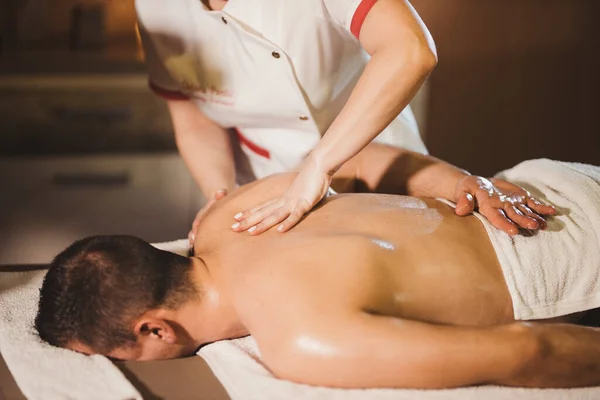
{"x":292,"y":277}
{"x":258,"y":191}
{"x":274,"y":275}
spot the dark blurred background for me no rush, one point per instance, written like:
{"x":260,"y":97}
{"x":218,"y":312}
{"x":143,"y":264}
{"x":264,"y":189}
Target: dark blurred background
{"x":85,"y":148}
{"x":516,"y":79}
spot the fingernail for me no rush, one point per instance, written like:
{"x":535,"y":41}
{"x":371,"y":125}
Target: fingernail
{"x":533,"y":225}
{"x":238,"y":215}
{"x":252,"y":229}
{"x":280,"y":228}
{"x":193,"y":238}
{"x":235,"y":226}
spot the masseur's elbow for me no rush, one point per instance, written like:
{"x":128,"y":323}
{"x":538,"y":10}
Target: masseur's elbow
{"x":418,"y":60}
{"x":429,"y":60}
{"x":425,"y":59}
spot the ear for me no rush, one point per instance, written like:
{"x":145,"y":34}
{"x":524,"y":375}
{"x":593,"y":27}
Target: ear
{"x":155,"y":328}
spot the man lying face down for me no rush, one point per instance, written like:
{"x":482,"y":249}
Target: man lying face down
{"x":369,"y":290}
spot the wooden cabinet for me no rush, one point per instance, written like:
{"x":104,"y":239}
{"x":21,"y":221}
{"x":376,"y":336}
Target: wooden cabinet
{"x":74,"y":114}
{"x":47,"y":203}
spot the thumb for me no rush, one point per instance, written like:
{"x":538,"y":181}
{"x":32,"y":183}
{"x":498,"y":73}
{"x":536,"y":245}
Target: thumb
{"x":219,"y":194}
{"x":465,"y":204}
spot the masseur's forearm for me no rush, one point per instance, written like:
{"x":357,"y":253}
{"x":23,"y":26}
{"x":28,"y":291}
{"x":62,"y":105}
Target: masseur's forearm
{"x":568,"y":356}
{"x":402,"y":57}
{"x":381,"y":168}
{"x":387,"y":169}
{"x":386,"y":87}
{"x":205,"y":148}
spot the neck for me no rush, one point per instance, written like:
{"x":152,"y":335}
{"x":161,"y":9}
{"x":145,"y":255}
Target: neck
{"x":212,"y":317}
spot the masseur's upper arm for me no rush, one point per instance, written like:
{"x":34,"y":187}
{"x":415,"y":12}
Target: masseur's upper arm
{"x":380,"y":23}
{"x":395,"y":23}
{"x":187,"y":117}
{"x":363,"y":350}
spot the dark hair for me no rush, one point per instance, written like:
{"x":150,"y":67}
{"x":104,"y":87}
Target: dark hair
{"x":98,"y":286}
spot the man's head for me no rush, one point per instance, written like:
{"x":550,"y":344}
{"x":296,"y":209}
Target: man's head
{"x":114,"y":295}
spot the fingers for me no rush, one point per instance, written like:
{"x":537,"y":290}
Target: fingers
{"x":248,"y":213}
{"x":270,"y":221}
{"x":294,"y":217}
{"x":263,"y":220}
{"x":521,"y":217}
{"x":509,"y":216}
{"x":508,"y":207}
{"x":219,"y":194}
{"x":287,"y":214}
{"x":532,"y":214}
{"x":196,"y":223}
{"x":498,"y":218}
{"x":192,"y":232}
{"x":272,"y":213}
{"x":465,"y":204}
{"x":539,"y":208}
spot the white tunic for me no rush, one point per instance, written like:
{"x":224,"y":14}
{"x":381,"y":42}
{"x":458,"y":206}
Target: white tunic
{"x":279,"y":71}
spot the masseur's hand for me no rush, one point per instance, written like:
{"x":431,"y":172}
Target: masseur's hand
{"x":219,"y":194}
{"x":506,"y":205}
{"x":309,"y":187}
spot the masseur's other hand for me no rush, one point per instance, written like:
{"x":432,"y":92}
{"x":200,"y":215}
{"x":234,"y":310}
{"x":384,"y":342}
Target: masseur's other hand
{"x":219,"y":194}
{"x":506,"y":205}
{"x":309,"y":187}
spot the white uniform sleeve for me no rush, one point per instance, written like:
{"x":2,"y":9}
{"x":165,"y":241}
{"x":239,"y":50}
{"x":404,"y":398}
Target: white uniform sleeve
{"x":159,"y":79}
{"x":349,"y":13}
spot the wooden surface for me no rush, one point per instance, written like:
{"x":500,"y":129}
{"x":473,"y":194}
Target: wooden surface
{"x":180,"y":379}
{"x":8,"y":387}
{"x":516,"y":79}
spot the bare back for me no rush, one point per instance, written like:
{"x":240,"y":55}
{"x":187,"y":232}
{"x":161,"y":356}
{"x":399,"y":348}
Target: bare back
{"x":385,"y":254}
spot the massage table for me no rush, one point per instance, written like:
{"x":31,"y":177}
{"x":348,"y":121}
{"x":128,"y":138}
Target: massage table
{"x":227,"y":369}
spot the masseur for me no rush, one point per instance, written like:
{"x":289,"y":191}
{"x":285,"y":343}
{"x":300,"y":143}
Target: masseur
{"x":295,"y":80}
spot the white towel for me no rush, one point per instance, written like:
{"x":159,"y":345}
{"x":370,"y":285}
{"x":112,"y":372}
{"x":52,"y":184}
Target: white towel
{"x":181,"y":246}
{"x":236,"y":363}
{"x":44,"y":372}
{"x":557,"y":271}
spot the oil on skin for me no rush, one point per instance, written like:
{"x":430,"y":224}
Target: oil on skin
{"x":313,"y":345}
